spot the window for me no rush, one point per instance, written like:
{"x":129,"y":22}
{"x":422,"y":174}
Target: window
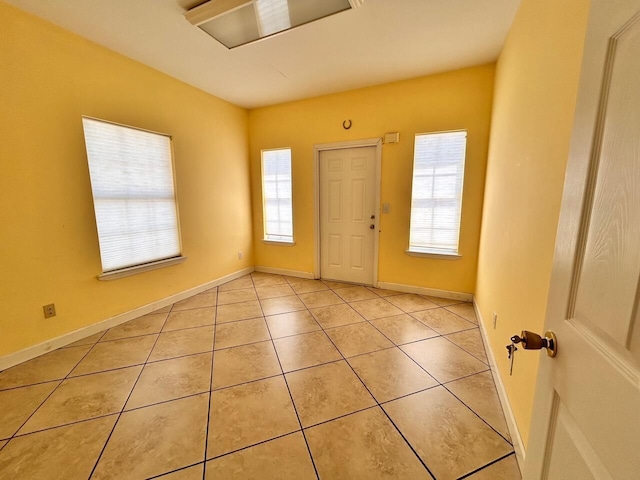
{"x":276,"y":195}
{"x":436,"y":193}
{"x":133,"y":194}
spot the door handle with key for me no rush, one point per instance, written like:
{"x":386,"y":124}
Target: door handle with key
{"x":533,"y":341}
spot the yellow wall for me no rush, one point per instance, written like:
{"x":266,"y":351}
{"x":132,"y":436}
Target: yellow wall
{"x":48,"y":241}
{"x":534,"y":102}
{"x":455,"y":100}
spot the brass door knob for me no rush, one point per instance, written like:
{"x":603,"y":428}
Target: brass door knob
{"x":533,"y":341}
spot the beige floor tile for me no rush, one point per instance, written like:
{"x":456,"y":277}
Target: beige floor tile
{"x":449,"y":437}
{"x":274,"y":306}
{"x":195,"y":317}
{"x":479,"y":393}
{"x":358,"y":338}
{"x":285,"y":458}
{"x":116,"y":354}
{"x":3,"y":443}
{"x":336,"y":285}
{"x":191,"y":473}
{"x":249,"y":414}
{"x":51,"y":366}
{"x":301,"y":285}
{"x":376,"y":308}
{"x":19,"y":403}
{"x":442,"y":321}
{"x":410,"y":302}
{"x":319,"y":299}
{"x":390,"y":374}
{"x":145,"y":325}
{"x":382,"y":292}
{"x":208,"y":298}
{"x":305,"y":350}
{"x":443,"y":360}
{"x":272,"y":291}
{"x":82,"y":398}
{"x":470,"y":341}
{"x":261,"y":279}
{"x":171,"y":379}
{"x":90,"y":340}
{"x":237,"y":365}
{"x":293,"y":323}
{"x":237,"y":284}
{"x":336,"y":315}
{"x":355,"y":294}
{"x":363,"y":445}
{"x":182,"y":342}
{"x":326,"y":392}
{"x":156,"y":439}
{"x":505,"y":469}
{"x":465,"y":310}
{"x":238,"y":311}
{"x":237,"y":296}
{"x":443,"y":302}
{"x":240,"y":333}
{"x":68,"y":452}
{"x":403,"y":328}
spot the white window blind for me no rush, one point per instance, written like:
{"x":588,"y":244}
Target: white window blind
{"x":276,"y":195}
{"x":133,"y":194}
{"x":436,"y":193}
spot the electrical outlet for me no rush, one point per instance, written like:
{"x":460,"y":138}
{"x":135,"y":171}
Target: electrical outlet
{"x":495,"y":320}
{"x":240,"y":255}
{"x":49,"y":310}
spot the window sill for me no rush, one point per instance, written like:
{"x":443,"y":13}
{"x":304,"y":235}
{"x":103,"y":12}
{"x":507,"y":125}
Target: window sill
{"x":278,"y":242}
{"x":127,"y":272}
{"x":439,"y":256}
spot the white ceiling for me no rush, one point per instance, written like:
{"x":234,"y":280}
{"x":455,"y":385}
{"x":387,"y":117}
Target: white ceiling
{"x":382,"y":41}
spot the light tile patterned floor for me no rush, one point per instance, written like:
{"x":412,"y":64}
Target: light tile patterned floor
{"x":264,"y":377}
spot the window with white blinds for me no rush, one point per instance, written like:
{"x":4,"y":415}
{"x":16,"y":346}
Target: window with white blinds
{"x":436,"y":193}
{"x":133,"y":194}
{"x":276,"y":195}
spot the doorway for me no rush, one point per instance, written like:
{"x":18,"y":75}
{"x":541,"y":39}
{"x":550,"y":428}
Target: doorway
{"x":347,"y":211}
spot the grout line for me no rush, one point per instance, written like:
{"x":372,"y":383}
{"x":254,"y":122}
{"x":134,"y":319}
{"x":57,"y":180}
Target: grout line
{"x":467,"y":475}
{"x":213,"y":349}
{"x":380,"y":407}
{"x":52,"y":391}
{"x":293,"y":403}
{"x":176,"y":470}
{"x":115,"y":424}
{"x":461,"y":347}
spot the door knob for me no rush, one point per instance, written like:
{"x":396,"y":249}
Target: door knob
{"x":533,"y":341}
{"x":372,"y":217}
{"x":372,"y":226}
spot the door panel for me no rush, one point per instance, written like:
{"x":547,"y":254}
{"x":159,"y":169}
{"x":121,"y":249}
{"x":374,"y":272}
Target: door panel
{"x":586,"y":414}
{"x":347,"y":202}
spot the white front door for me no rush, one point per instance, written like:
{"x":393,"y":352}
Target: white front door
{"x":586,"y":418}
{"x":348,"y":226}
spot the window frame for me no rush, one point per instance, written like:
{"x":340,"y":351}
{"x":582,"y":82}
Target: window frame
{"x":273,"y":239}
{"x":431,"y":252}
{"x":161,"y":262}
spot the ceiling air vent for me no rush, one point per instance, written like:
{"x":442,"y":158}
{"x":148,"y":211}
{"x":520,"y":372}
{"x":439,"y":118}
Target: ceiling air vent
{"x":238,"y":22}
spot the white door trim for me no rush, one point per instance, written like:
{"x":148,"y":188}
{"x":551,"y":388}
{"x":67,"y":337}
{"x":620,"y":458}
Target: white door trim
{"x":370,"y":142}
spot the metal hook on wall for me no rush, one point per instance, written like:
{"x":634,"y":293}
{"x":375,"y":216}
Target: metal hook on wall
{"x":346,"y":124}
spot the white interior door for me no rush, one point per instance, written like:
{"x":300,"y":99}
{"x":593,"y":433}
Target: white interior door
{"x":348,"y":226}
{"x":586,"y":422}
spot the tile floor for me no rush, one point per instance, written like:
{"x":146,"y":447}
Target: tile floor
{"x":264,"y":377}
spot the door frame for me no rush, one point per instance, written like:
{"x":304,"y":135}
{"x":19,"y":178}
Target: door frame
{"x":321,"y":147}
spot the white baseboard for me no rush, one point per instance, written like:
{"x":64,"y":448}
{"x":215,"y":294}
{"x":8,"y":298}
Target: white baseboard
{"x":432,"y":292}
{"x":283,"y":271}
{"x":516,"y":438}
{"x":64,"y":340}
